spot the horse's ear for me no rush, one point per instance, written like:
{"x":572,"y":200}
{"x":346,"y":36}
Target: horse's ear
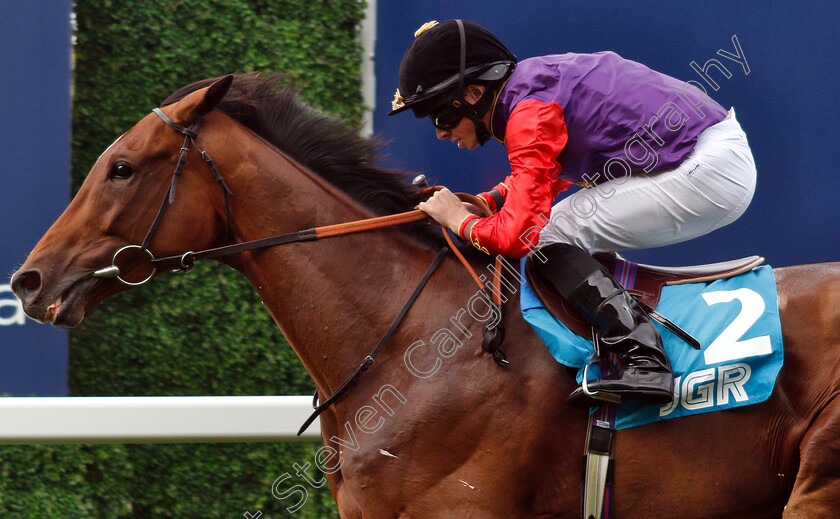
{"x":199,"y":103}
{"x":212,"y":96}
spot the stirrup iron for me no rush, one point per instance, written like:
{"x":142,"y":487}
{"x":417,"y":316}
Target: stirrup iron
{"x":606,"y":396}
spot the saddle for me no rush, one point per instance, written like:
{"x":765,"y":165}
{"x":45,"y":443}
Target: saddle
{"x":644,"y":282}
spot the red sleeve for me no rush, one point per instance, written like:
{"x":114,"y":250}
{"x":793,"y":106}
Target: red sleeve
{"x":496,"y":197}
{"x":535,"y":135}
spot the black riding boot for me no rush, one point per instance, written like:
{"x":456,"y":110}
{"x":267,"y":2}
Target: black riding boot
{"x":626,"y":330}
{"x":622,"y":324}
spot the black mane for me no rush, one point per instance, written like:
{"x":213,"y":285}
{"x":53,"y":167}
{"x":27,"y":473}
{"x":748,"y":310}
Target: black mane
{"x":324,"y":144}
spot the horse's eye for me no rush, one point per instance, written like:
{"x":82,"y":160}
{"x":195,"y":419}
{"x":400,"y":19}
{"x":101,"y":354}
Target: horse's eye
{"x":121,"y":170}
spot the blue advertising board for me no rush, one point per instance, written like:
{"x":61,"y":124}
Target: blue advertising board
{"x":35,"y":177}
{"x":786,"y":102}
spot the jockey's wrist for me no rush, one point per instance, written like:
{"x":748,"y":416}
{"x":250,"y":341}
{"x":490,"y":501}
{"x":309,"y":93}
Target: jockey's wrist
{"x":466,"y":225}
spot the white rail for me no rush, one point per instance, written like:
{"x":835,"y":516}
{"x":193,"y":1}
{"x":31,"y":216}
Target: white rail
{"x":169,"y":419}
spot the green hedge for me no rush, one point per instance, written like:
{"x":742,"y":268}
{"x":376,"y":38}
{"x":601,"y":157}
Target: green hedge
{"x":204,"y":333}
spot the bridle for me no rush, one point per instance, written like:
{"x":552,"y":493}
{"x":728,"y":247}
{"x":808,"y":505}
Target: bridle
{"x":185,"y":263}
{"x":493,"y":336}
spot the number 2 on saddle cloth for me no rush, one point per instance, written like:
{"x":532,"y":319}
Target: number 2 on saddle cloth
{"x":730,"y":308}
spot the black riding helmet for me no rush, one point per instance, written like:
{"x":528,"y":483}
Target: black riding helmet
{"x":439,"y":63}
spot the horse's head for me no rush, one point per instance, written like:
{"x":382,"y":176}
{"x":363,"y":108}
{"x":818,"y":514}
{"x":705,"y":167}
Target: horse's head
{"x":116,"y":207}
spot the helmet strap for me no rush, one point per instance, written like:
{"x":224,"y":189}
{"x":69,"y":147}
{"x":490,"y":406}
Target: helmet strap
{"x":475,"y":112}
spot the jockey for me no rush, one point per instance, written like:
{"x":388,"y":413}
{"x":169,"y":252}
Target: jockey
{"x":662,"y":162}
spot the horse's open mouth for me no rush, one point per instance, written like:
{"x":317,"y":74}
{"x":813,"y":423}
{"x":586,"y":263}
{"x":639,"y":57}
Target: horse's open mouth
{"x":69,"y":308}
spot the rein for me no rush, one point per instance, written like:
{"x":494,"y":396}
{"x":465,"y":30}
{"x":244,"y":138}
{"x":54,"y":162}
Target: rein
{"x":493,"y":335}
{"x":188,"y":259}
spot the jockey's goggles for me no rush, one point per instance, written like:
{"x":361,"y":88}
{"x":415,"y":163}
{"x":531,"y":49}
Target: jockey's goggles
{"x":448,"y":117}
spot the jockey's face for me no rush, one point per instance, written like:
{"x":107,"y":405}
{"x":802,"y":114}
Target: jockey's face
{"x":464,"y":134}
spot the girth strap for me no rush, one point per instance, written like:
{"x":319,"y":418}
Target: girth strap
{"x":598,"y":463}
{"x":596,"y":494}
{"x":372,"y":356}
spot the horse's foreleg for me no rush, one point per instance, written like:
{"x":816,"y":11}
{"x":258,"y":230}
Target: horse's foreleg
{"x":817,"y":489}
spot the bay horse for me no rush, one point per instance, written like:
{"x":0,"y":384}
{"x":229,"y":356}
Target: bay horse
{"x":435,"y":429}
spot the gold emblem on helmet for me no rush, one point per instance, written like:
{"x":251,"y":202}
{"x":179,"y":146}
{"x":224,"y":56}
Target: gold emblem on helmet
{"x":398,"y":101}
{"x":425,"y":27}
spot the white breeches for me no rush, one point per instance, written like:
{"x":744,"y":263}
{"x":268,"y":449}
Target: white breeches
{"x":710,"y":189}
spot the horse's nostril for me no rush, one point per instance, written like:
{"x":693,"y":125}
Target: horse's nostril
{"x":26,"y":284}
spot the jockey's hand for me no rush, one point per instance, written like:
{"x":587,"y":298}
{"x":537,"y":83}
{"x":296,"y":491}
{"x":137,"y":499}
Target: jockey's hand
{"x":446,"y":208}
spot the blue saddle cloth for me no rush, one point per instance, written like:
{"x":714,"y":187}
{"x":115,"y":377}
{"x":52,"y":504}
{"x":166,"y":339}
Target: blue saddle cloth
{"x":736,"y":321}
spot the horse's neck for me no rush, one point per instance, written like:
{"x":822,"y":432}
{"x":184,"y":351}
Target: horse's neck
{"x":333,"y":298}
